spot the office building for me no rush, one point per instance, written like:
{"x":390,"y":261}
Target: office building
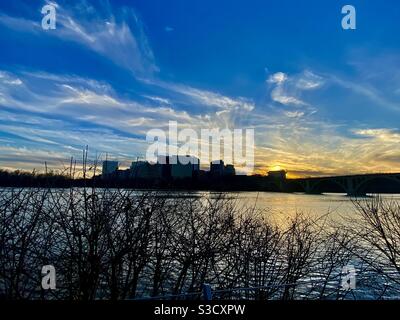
{"x":217,"y":168}
{"x":229,"y":170}
{"x":109,"y":167}
{"x":184,"y":166}
{"x":145,"y":170}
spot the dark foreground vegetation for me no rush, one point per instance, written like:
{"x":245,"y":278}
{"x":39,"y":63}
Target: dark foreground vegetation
{"x":121,"y":244}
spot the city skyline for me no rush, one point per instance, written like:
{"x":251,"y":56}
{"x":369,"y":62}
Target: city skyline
{"x":322,"y":100}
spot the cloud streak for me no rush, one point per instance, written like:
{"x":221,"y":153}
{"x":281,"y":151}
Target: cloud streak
{"x":115,"y":34}
{"x":286,"y":90}
{"x":49,"y":116}
{"x":73,"y":111}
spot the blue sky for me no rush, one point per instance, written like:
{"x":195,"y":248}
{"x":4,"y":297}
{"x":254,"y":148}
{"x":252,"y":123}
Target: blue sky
{"x":322,"y":100}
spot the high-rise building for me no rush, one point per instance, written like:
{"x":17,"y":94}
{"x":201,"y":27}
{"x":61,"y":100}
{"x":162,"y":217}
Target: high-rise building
{"x":109,"y":167}
{"x":167,"y":167}
{"x":146,"y":170}
{"x":217,"y":168}
{"x":184,"y":166}
{"x":229,"y":170}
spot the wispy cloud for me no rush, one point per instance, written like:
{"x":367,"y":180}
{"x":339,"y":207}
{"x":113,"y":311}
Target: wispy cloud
{"x":207,"y":98}
{"x":116,"y":34}
{"x":360,"y":87}
{"x":277,"y":78}
{"x":385,"y":135}
{"x":49,"y":116}
{"x":20,"y":24}
{"x":279,"y":95}
{"x":287,"y":90}
{"x":308,"y":81}
{"x":75,"y":111}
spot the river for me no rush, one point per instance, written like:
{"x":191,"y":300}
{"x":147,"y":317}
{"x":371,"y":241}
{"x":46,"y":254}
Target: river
{"x":280,"y":206}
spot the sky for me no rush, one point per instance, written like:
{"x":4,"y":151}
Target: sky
{"x":322,"y":100}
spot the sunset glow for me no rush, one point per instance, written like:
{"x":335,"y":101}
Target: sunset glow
{"x":110,"y":73}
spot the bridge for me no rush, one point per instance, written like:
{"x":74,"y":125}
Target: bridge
{"x":352,"y":185}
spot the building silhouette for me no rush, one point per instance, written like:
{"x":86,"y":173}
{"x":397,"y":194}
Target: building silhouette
{"x":167,"y":168}
{"x":229,"y":170}
{"x":184,"y":166}
{"x":109,"y":168}
{"x":219,"y":169}
{"x":145,"y":170}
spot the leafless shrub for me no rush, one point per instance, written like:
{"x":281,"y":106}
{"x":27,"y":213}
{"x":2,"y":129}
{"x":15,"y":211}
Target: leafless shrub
{"x":125,"y":244}
{"x":24,"y":242}
{"x":377,"y":228}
